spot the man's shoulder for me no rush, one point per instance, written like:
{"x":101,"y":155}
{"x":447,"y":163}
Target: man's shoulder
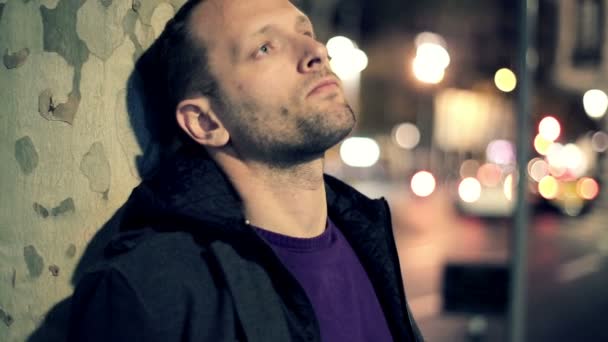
{"x":157,"y":262}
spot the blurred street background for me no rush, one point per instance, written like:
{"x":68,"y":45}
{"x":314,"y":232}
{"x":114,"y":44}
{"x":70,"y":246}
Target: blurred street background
{"x":435,"y":86}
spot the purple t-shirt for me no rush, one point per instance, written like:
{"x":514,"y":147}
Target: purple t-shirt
{"x":336,"y":284}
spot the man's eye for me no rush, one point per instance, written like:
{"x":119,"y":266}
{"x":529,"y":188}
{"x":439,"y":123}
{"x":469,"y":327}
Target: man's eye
{"x":265,"y":49}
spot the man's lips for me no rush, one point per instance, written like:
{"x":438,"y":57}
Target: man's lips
{"x":324,"y":85}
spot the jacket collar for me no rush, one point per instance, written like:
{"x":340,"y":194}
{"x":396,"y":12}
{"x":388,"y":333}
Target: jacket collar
{"x":191,"y":186}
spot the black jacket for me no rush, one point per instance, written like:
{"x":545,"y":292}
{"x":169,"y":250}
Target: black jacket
{"x":186,"y":268}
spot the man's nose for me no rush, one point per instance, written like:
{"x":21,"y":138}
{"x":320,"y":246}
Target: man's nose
{"x":314,"y":56}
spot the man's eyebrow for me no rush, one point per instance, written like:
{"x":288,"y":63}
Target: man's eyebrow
{"x":302,"y":20}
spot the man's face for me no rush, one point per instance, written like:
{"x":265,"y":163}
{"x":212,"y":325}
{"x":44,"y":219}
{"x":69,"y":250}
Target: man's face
{"x":281,"y":103}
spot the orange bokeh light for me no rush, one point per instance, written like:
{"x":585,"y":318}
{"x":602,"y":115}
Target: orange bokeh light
{"x":587,"y":188}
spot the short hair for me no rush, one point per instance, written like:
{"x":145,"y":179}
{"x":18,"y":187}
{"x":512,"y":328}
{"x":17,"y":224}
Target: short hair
{"x":174,"y":68}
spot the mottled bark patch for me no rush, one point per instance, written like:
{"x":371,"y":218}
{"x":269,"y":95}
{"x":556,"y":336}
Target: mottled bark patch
{"x":6,"y":317}
{"x":41,"y":210}
{"x":128,"y":25}
{"x":71,"y":251}
{"x":60,"y":36}
{"x":96,"y":167}
{"x":65,"y":112}
{"x":106,"y":3}
{"x":66,"y":206}
{"x":33,"y":260}
{"x":26,"y":155}
{"x":136,"y":5}
{"x":15,"y":60}
{"x":54,"y":269}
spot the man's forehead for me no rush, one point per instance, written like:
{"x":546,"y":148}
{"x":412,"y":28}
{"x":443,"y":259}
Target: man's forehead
{"x":236,"y":17}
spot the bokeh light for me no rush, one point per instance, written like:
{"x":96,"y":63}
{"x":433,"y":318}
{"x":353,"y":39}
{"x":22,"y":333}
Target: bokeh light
{"x":423,"y":184}
{"x":489,"y":174}
{"x":548,"y":187}
{"x":574,"y":159}
{"x":537,"y":169}
{"x":431,"y":59}
{"x":508,"y":187}
{"x":556,"y":160}
{"x":587,"y":188}
{"x":599,"y":141}
{"x":541,"y":145}
{"x":469,"y":190}
{"x":549,"y":128}
{"x":347,"y":61}
{"x":469,"y":168}
{"x":406,"y":135}
{"x":595,"y":103}
{"x":339,"y":45}
{"x":505,"y":80}
{"x":500,"y":152}
{"x":426,"y":72}
{"x":359,"y":152}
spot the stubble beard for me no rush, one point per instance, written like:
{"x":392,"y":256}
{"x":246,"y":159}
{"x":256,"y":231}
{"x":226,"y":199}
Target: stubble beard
{"x":283,"y":147}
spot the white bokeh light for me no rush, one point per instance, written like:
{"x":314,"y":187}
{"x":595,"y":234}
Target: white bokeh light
{"x":359,"y":152}
{"x":595,"y":103}
{"x":549,"y":128}
{"x":574,"y":159}
{"x":347,"y":61}
{"x":469,"y":190}
{"x":339,"y":45}
{"x":431,"y":59}
{"x":406,"y":135}
{"x":423,"y":184}
{"x":599,"y":142}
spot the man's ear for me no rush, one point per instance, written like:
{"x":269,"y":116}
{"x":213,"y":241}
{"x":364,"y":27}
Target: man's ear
{"x":196,"y":117}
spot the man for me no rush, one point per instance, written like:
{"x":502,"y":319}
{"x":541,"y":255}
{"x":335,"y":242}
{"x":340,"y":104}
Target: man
{"x":240,"y":236}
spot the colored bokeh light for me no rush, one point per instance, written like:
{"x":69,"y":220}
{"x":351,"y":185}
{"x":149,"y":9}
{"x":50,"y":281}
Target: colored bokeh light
{"x":508,"y":187}
{"x":505,"y":80}
{"x":587,"y":188}
{"x":469,"y":168}
{"x":541,"y":145}
{"x":548,"y":187}
{"x":489,"y":174}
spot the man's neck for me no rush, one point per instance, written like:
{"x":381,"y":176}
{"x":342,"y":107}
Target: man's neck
{"x":289,"y":201}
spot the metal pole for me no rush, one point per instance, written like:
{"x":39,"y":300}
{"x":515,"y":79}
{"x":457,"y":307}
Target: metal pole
{"x":517,"y":311}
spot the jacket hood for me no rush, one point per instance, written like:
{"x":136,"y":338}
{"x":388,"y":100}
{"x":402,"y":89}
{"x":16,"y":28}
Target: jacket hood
{"x":188,"y":186}
{"x":190,"y":190}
